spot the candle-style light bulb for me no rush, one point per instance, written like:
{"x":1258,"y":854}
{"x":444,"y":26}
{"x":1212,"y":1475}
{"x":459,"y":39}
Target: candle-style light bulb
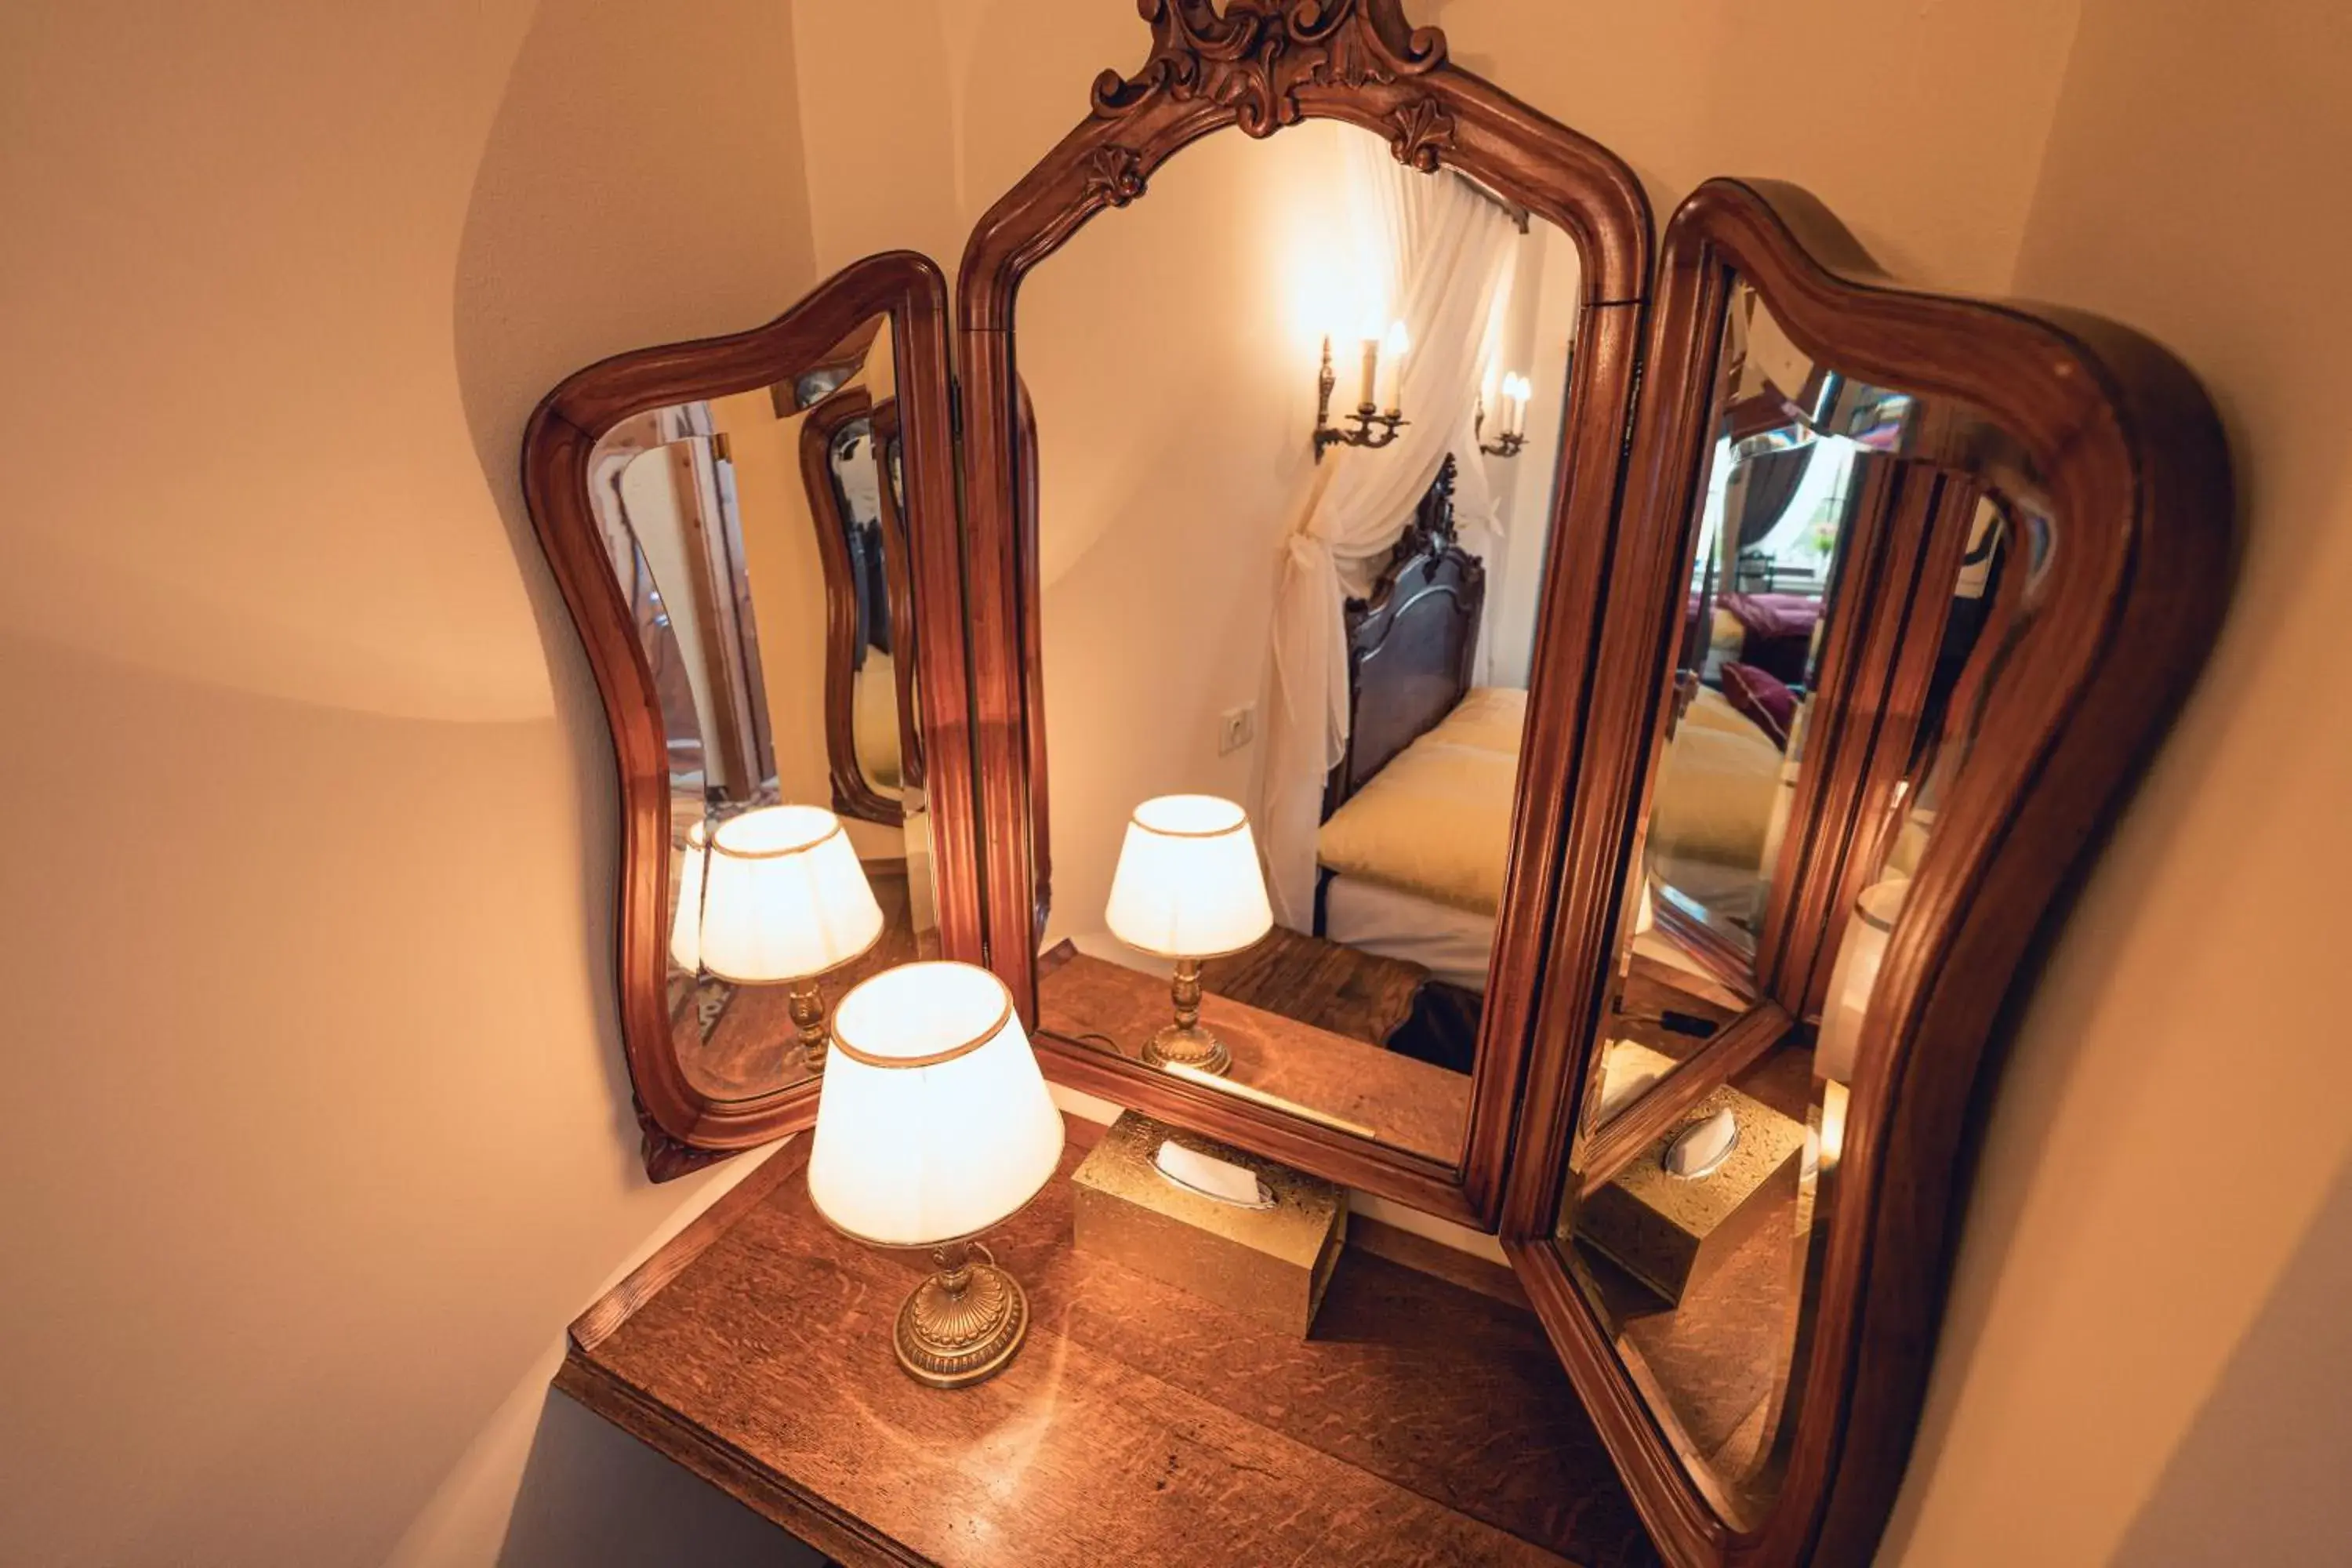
{"x":1371,"y":369}
{"x":1393,"y":349}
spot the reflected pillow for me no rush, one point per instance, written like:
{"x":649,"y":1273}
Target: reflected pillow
{"x":1762,"y":698}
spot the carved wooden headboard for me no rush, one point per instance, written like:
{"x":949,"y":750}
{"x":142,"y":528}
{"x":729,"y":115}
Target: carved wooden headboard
{"x":1410,"y":644}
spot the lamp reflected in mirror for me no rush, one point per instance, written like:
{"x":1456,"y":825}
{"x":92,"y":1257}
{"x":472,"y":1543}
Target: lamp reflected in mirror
{"x":784,"y":902}
{"x":1345,"y":648}
{"x":1188,"y":888}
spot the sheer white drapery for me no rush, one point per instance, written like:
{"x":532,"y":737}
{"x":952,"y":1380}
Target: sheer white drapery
{"x":1444,"y":252}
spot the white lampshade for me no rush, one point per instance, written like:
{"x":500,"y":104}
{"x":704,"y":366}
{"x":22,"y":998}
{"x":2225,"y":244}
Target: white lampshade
{"x":933,"y":1122}
{"x":1188,"y":883}
{"x":783,"y":897}
{"x":1854,"y":975}
{"x":685,"y":921}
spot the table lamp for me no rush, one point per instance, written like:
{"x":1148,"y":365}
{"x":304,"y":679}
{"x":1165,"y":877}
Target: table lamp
{"x":784,"y":899}
{"x":933,"y":1125}
{"x":1854,"y":975}
{"x":1189,"y":887}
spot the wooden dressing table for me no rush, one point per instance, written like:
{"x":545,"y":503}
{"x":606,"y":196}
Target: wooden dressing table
{"x":1427,"y":1422}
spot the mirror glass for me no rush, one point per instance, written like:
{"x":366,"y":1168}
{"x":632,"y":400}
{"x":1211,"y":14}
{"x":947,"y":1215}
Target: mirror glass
{"x":759,"y":540}
{"x":1695,"y":1238}
{"x":1335,"y":638}
{"x":1794,"y":479}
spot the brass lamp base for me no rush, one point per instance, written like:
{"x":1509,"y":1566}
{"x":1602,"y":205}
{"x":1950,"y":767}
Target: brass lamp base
{"x":808,"y":1007}
{"x":1184,"y":1043}
{"x":962,"y":1325}
{"x":1194,"y":1048}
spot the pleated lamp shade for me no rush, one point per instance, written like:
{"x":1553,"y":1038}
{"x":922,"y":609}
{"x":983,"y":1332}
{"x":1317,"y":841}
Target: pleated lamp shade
{"x":933,"y":1122}
{"x":1189,"y":884}
{"x":783,"y":897}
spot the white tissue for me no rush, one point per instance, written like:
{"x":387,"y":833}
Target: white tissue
{"x":1219,"y":1179}
{"x":1704,"y":1146}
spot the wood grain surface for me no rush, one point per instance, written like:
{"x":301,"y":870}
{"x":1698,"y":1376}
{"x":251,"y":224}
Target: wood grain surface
{"x":1332,"y":987}
{"x":1405,"y":1104}
{"x":1424,"y":1423}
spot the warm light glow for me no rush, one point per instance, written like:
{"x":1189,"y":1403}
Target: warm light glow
{"x":784,"y":897}
{"x":1854,"y":975}
{"x":1392,"y":352}
{"x":933,"y":1122}
{"x":1189,"y":884}
{"x":685,"y":921}
{"x":1516,"y":390}
{"x":1833,"y":1104}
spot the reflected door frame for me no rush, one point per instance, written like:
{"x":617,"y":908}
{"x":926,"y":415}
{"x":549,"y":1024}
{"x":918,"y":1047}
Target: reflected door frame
{"x":1258,"y":69}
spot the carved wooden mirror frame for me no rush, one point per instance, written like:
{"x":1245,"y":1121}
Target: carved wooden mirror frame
{"x":1259,"y":65}
{"x":682,"y":1127}
{"x":2117,"y":438}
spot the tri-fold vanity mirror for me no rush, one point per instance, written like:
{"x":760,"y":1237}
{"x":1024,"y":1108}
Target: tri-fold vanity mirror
{"x":1618,"y":823}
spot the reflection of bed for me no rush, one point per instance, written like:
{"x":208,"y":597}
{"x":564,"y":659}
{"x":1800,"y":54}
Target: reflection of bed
{"x":1417,"y":814}
{"x":1713,"y":805}
{"x":873,"y":718}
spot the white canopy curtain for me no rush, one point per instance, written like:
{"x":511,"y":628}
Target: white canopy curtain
{"x":1440,"y":253}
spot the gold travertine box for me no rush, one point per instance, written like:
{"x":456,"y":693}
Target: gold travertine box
{"x":1271,"y":1264}
{"x":1671,"y":1232}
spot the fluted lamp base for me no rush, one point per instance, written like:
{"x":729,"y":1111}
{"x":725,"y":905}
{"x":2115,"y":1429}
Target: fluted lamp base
{"x":1185,"y":1043}
{"x":962,"y":1325}
{"x":1193,"y":1048}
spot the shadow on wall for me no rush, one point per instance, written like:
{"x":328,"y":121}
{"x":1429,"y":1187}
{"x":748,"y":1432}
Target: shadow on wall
{"x":2259,"y":1475}
{"x":592,"y":1493}
{"x":591,"y":231}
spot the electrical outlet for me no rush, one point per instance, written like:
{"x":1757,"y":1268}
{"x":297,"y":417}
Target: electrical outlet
{"x":1237,"y":730}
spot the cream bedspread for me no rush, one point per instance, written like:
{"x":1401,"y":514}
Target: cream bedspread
{"x":1436,"y":822}
{"x":1715,"y":786}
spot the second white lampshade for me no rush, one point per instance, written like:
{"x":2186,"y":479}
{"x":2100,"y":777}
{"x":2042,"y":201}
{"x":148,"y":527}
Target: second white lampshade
{"x":783,"y":897}
{"x":1189,"y":884}
{"x":934,"y":1122}
{"x":1854,"y":976}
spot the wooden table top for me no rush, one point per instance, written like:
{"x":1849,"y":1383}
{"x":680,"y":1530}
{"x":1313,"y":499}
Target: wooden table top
{"x":1424,"y":1423}
{"x":1404,"y":1103}
{"x":1360,"y":995}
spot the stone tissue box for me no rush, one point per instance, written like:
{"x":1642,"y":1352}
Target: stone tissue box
{"x":1271,"y":1264}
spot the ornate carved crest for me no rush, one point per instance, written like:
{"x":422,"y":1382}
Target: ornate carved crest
{"x":1425,"y":129}
{"x":1256,"y":55}
{"x":1115,"y":174}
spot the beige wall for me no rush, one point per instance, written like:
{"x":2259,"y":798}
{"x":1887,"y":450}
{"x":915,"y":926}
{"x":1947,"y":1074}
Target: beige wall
{"x":2149,"y":1357}
{"x":317,"y":1130}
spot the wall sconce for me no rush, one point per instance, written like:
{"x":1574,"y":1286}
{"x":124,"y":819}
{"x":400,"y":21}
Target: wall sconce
{"x":1516,"y":390}
{"x":1373,"y":428}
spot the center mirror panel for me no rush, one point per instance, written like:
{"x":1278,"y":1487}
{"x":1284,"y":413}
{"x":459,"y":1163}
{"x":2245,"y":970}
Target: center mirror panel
{"x":1297,"y":415}
{"x":761,"y":538}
